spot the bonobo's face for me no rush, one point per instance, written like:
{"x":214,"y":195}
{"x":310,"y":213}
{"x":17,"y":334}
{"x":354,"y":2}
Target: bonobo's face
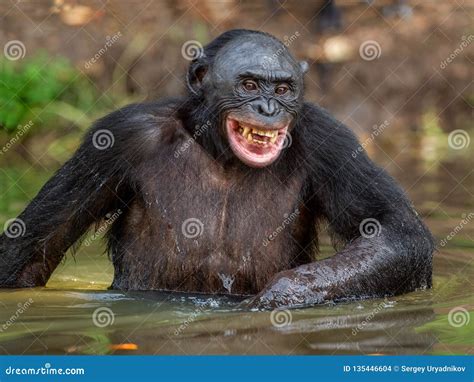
{"x":257,"y":86}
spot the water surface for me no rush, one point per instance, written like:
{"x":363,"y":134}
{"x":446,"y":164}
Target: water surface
{"x":76,"y":314}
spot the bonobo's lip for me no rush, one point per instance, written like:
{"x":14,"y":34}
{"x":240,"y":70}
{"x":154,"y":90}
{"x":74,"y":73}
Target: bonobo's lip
{"x":255,"y":144}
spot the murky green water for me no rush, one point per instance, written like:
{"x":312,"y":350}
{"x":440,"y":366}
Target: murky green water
{"x":76,"y":314}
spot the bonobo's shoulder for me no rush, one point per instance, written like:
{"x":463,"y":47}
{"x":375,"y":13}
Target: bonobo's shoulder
{"x":137,"y":129}
{"x":152,"y":121}
{"x":137,"y":114}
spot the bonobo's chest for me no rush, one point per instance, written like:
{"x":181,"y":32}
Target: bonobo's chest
{"x":208,"y":229}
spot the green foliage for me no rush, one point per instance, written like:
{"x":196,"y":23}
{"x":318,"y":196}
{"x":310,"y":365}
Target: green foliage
{"x":29,"y":90}
{"x":18,"y":185}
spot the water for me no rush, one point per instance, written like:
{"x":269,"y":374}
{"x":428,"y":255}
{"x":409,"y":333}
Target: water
{"x":76,"y":314}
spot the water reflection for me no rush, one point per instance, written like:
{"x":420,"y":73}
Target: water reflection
{"x":61,"y":322}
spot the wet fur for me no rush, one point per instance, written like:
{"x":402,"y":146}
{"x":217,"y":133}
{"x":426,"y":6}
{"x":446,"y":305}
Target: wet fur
{"x":239,"y":207}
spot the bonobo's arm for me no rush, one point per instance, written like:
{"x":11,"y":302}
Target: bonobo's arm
{"x":93,"y":182}
{"x":389,"y":253}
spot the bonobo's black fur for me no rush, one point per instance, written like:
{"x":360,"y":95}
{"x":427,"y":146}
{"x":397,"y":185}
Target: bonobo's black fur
{"x":255,"y":222}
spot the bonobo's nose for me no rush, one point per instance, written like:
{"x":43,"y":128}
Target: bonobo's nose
{"x":268,"y":108}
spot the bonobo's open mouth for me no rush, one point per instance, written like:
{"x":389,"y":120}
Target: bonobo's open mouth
{"x":255,"y":145}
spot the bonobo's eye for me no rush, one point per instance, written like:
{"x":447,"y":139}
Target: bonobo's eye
{"x":282,"y":89}
{"x":250,"y":85}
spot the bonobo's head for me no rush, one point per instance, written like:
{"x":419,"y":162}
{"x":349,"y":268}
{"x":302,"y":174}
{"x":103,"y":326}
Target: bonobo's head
{"x":255,"y":86}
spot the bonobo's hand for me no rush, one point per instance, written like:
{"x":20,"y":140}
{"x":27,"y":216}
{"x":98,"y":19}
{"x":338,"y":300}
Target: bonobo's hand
{"x":293,"y":288}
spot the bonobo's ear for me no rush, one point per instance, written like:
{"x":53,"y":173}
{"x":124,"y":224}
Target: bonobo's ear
{"x":303,"y":66}
{"x":197,"y":71}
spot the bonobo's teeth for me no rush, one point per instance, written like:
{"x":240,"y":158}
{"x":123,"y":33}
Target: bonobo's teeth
{"x":252,"y":135}
{"x":265,"y":133}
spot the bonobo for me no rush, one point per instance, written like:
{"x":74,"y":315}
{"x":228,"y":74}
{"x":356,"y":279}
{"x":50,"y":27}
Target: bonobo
{"x":223,"y":191}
